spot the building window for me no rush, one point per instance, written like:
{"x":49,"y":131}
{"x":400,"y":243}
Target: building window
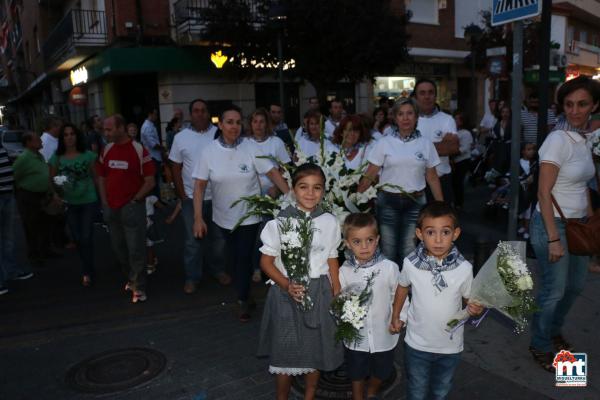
{"x":423,"y":11}
{"x":595,"y":39}
{"x":583,"y":36}
{"x":570,"y":36}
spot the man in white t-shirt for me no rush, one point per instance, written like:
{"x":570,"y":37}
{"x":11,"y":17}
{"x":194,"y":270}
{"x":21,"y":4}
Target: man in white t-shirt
{"x":440,"y":128}
{"x":52,"y":126}
{"x":185,"y":152}
{"x":336,"y":112}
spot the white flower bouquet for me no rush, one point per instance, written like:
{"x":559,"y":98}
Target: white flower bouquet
{"x":504,"y":283}
{"x":60,"y":180}
{"x":296,"y":241}
{"x":349,"y":308}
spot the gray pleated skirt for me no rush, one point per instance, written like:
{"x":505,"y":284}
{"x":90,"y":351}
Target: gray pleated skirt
{"x":297,"y":339}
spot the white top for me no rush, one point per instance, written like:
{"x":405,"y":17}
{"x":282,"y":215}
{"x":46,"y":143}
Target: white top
{"x":570,"y":152}
{"x":298,"y":133}
{"x":311,"y":149}
{"x":149,"y":138}
{"x":488,"y":121}
{"x":325,"y":243}
{"x":430,"y":310}
{"x":186,"y":149}
{"x":360,"y":158}
{"x":389,"y":130}
{"x":274,"y":147}
{"x":375,"y":134}
{"x":330,"y":127}
{"x":49,"y":145}
{"x":465,"y":141}
{"x":525,"y":165}
{"x":435,"y":128}
{"x":233,"y":174}
{"x":375,"y":332}
{"x":404,"y":163}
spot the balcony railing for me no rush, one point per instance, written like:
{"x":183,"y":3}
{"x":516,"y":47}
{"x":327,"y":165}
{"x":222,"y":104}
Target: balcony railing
{"x":79,"y":28}
{"x":192,"y":17}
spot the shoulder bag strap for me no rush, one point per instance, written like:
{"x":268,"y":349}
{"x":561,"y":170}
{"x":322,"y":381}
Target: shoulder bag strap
{"x":562,"y":216}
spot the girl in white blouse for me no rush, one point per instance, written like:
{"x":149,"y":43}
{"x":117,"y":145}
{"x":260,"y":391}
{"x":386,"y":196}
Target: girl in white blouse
{"x":301,"y":342}
{"x":309,"y":142}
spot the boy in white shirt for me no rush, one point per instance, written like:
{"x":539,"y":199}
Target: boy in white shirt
{"x":440,"y":279}
{"x":373,"y":355}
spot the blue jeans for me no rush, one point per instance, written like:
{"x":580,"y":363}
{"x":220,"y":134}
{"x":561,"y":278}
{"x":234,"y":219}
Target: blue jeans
{"x":239,"y":244}
{"x":429,"y":375}
{"x":195,"y":252}
{"x":397,"y":218}
{"x":80,"y":219}
{"x":8,"y":262}
{"x":560,"y":284}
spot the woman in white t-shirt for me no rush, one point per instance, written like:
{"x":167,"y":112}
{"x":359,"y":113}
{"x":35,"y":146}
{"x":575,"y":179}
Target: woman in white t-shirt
{"x":407,"y":164}
{"x":309,"y":142}
{"x":231,"y":166}
{"x":352,"y":139}
{"x":565,"y":168}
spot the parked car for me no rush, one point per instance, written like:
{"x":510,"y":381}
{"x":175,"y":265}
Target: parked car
{"x":11,"y":141}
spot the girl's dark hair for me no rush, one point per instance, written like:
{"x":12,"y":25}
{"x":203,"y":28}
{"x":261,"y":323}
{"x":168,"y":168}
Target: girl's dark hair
{"x":586,"y":83}
{"x":79,"y":140}
{"x":437,"y":209}
{"x":306,"y":170}
{"x":359,"y":220}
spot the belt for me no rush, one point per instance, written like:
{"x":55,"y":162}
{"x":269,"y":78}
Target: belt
{"x":406,"y":194}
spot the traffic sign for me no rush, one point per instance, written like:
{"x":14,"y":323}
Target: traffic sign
{"x":505,"y":11}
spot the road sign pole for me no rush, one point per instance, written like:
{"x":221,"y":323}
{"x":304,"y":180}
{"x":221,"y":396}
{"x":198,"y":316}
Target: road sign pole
{"x":515,"y":150}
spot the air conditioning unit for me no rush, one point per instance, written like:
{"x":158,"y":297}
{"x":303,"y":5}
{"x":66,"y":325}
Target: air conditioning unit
{"x":560,"y":60}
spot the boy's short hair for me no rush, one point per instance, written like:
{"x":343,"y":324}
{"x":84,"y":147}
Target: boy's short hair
{"x":437,"y":209}
{"x":359,"y":220}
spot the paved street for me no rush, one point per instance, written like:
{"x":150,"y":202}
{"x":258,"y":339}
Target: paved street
{"x":50,"y":323}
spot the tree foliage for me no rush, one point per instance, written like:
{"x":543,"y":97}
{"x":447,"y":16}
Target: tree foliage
{"x":329,"y":40}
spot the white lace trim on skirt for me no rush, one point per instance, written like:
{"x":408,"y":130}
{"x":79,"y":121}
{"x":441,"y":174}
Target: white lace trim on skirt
{"x":290,"y":371}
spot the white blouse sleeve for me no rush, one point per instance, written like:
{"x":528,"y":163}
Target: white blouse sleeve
{"x":555,"y":149}
{"x":377,"y":154}
{"x":403,"y":278}
{"x":270,"y":239}
{"x":336,"y":239}
{"x":281,"y":152}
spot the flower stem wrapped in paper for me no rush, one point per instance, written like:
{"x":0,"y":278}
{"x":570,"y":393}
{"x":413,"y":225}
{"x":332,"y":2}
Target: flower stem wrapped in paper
{"x":349,"y":308}
{"x":504,"y":283}
{"x":296,"y":240}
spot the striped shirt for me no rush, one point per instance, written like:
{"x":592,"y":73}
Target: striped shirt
{"x":529,"y":126}
{"x":6,"y":172}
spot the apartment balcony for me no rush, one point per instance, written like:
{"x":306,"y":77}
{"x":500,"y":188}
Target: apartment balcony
{"x":193,"y":17}
{"x":76,"y":36}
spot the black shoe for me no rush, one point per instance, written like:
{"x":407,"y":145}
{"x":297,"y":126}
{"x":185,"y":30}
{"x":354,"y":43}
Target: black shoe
{"x":23,"y":276}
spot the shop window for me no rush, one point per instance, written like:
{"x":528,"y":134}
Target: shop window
{"x":393,"y":87}
{"x":583,"y":36}
{"x":423,"y":11}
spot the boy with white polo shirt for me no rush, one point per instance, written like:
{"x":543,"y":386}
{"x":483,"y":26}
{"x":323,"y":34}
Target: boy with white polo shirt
{"x":440,"y":280}
{"x":371,"y":357}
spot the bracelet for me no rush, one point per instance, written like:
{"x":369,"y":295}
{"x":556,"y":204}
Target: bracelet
{"x":555,"y":240}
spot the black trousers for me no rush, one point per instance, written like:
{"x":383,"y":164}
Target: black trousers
{"x":36,"y":223}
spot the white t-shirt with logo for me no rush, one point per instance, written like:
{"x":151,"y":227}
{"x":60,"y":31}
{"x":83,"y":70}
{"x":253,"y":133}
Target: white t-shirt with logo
{"x":310,"y":148}
{"x":273,"y":147}
{"x":375,"y":332}
{"x":330,"y":127}
{"x":435,"y":128}
{"x":186,"y":149}
{"x":570,"y":152}
{"x":430,"y":310}
{"x":232,"y":173}
{"x":403,"y":163}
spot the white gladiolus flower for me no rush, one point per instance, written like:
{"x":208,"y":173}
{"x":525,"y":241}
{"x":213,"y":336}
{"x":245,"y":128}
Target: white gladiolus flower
{"x":60,"y":180}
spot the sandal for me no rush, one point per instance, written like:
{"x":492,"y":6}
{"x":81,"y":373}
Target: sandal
{"x":543,"y":359}
{"x":560,"y":343}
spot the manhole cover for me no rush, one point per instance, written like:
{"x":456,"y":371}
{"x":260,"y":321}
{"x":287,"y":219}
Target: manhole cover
{"x":116,"y":370}
{"x":336,"y":385}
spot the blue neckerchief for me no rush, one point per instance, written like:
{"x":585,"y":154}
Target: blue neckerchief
{"x":354,"y":263}
{"x":414,"y":135}
{"x":421,"y":260}
{"x":235,"y":144}
{"x":563,"y":125}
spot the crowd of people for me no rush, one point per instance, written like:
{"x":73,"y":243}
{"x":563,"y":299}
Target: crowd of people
{"x":418,"y":155}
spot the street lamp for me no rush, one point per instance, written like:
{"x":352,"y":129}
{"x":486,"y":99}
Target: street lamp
{"x":277,"y":17}
{"x":472,"y":36}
